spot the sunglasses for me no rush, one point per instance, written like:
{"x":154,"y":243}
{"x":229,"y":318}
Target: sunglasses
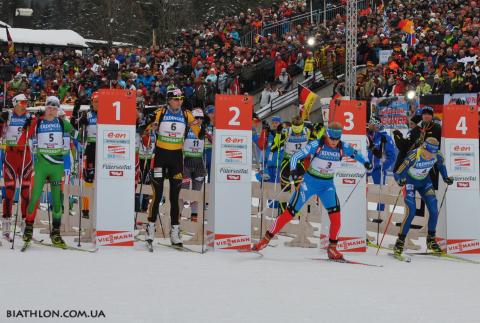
{"x":331,"y":138}
{"x":177,"y":99}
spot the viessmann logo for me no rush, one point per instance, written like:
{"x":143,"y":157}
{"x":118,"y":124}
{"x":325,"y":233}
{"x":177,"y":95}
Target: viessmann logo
{"x":462,"y":162}
{"x":233,"y":177}
{"x":116,"y":173}
{"x":349,"y":180}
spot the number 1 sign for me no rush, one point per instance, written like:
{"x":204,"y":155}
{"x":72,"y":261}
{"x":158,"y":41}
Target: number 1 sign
{"x":229,"y":221}
{"x":115,"y":168}
{"x":459,"y":220}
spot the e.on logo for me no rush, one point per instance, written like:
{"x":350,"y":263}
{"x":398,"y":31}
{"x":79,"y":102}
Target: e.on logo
{"x":116,"y":135}
{"x":462,"y":148}
{"x":230,"y":140}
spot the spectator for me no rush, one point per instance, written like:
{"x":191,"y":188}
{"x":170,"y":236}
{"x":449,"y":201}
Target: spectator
{"x":284,"y":80}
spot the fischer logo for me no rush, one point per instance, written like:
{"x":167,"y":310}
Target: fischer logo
{"x":115,"y":173}
{"x":463,"y":184}
{"x":349,"y":180}
{"x":233,"y":177}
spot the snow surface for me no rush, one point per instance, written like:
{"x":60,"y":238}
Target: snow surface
{"x":60,"y":37}
{"x":133,"y":285}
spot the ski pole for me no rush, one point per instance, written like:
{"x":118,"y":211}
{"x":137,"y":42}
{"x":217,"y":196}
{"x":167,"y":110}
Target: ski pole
{"x":80,"y":183}
{"x":260,"y":203}
{"x":443,"y":199}
{"x":378,"y":205}
{"x":353,"y":190}
{"x":21,"y":183}
{"x":276,"y":197}
{"x":48,"y":210}
{"x":142,"y":174}
{"x":204,"y":204}
{"x":388,"y":221}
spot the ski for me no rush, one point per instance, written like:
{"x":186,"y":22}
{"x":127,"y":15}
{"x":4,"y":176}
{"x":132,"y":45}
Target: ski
{"x":376,"y":246}
{"x":66,"y":247}
{"x":346,"y":261}
{"x":251,"y":251}
{"x":27,"y":244}
{"x":401,"y":257}
{"x":446,"y":257}
{"x":179,"y":248}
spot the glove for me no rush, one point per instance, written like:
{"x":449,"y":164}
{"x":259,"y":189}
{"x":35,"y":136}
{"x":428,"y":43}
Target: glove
{"x":279,"y":128}
{"x":295,"y":175}
{"x":265,"y":125}
{"x":398,"y":133}
{"x":368,"y":165}
{"x":28,"y":122}
{"x":402,"y":181}
{"x":448,"y":180}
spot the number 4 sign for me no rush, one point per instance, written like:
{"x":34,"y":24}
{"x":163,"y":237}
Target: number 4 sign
{"x":460,"y":121}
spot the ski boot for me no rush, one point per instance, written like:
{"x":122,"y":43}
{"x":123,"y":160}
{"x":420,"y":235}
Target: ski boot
{"x":150,"y":232}
{"x":56,"y":238}
{"x":262,"y":243}
{"x":28,"y":232}
{"x":333,"y":252}
{"x":398,"y":247}
{"x":175,"y":238}
{"x":432,"y":245}
{"x":86,"y":214}
{"x":6,"y":229}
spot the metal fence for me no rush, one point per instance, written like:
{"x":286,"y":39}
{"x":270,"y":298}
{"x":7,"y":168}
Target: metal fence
{"x":284,"y":26}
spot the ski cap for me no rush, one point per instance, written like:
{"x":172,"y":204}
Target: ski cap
{"x":210,"y":109}
{"x":276,"y":119}
{"x":94,"y":96}
{"x":174,"y":93}
{"x":376,"y":123}
{"x":427,"y":109}
{"x":431,"y":145}
{"x":18,"y":98}
{"x":197,"y":113}
{"x":52,"y":101}
{"x":334,"y":130}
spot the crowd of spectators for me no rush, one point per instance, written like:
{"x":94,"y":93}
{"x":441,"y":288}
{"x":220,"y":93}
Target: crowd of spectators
{"x":444,"y":58}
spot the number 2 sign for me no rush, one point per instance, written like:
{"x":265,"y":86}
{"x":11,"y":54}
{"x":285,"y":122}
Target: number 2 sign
{"x":233,"y":112}
{"x":460,"y":121}
{"x":352,"y":115}
{"x":117,"y":107}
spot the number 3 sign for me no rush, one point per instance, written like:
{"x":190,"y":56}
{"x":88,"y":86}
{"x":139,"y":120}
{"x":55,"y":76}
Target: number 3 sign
{"x":460,"y":121}
{"x":352,"y":115}
{"x":117,"y":107}
{"x":233,"y":112}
